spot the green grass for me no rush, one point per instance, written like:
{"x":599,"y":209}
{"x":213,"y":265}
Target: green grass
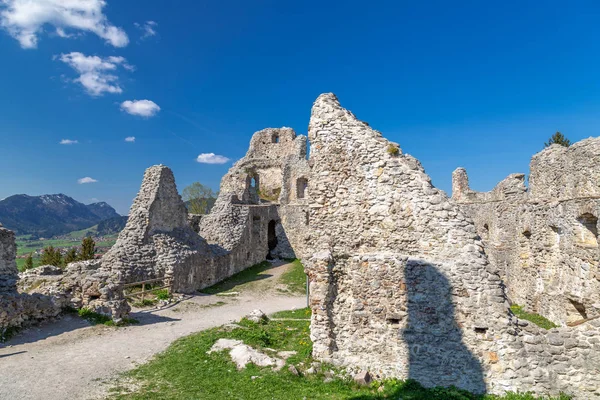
{"x":537,"y":319}
{"x":301,"y":313}
{"x":295,"y":278}
{"x":96,"y":319}
{"x":83,"y":232}
{"x":248,"y":275}
{"x":185,"y":371}
{"x":21,"y":263}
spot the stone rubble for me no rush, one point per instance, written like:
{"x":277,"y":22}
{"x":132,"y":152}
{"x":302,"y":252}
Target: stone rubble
{"x":242,"y":354}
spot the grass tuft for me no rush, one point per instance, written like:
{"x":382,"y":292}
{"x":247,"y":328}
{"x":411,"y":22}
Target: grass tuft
{"x":537,"y":319}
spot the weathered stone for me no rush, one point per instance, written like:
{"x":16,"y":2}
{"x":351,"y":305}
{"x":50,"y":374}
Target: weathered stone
{"x":363,"y":378}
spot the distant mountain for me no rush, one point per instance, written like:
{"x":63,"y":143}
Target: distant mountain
{"x":51,"y":214}
{"x":111,"y":226}
{"x":103,"y":211}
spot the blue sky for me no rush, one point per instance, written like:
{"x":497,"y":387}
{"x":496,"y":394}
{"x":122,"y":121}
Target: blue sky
{"x":456,"y":84}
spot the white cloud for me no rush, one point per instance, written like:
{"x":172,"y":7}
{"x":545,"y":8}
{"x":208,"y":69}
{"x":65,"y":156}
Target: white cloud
{"x":94,"y":73}
{"x":24,"y":20}
{"x":143,"y":108}
{"x":148,"y":28}
{"x":211,"y":158}
{"x":130,"y":139}
{"x":69,"y":141}
{"x":87,"y":179}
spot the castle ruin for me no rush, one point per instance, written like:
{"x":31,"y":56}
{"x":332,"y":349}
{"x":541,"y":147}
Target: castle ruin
{"x":404,"y":281}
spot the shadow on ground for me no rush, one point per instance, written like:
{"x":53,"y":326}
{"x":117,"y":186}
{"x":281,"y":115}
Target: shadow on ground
{"x":252,"y":274}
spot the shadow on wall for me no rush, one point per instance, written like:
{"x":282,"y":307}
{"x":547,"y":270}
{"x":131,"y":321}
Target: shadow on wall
{"x":437,"y":354}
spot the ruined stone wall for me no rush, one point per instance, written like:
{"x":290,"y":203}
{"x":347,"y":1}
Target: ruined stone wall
{"x":159,"y":240}
{"x":259,"y":174}
{"x":46,"y":291}
{"x":400,"y":282}
{"x":544,"y":241}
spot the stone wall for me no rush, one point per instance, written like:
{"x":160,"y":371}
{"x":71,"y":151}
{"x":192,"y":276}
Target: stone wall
{"x":46,"y":291}
{"x":544,"y":241}
{"x":400,"y":281}
{"x":259,"y":174}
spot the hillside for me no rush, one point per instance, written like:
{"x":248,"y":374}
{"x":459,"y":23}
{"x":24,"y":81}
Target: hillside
{"x":50,"y":215}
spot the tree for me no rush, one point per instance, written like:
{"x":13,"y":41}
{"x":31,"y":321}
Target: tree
{"x":71,"y":256}
{"x":88,"y":249}
{"x":199,"y":198}
{"x":558,"y":138}
{"x":51,"y":256}
{"x":28,"y":262}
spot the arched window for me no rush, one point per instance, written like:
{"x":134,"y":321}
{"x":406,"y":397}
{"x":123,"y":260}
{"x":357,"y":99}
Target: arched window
{"x":275,"y":138}
{"x":301,"y":186}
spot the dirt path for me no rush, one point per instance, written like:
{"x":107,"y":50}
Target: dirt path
{"x":68,"y":359}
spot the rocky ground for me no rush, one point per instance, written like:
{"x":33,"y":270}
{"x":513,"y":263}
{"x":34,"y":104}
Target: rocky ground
{"x":69,"y":359}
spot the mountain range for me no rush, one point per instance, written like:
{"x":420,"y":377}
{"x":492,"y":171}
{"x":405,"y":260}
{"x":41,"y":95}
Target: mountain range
{"x":51,"y":214}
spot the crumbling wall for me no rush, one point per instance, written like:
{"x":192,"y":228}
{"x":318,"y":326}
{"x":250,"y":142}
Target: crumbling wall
{"x":161,"y":241}
{"x":259,"y":174}
{"x":400,"y":282}
{"x":544,"y":241}
{"x":46,"y":291}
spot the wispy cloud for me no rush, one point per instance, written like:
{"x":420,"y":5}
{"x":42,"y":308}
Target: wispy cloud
{"x":148,"y":29}
{"x":24,"y":20}
{"x":211,"y":158}
{"x":69,"y":141}
{"x":142,"y":108}
{"x":130,"y":139}
{"x":96,"y":73}
{"x":87,"y":179}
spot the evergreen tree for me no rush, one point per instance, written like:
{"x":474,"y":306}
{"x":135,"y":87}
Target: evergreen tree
{"x":71,"y":256}
{"x":51,"y":256}
{"x":88,"y":249}
{"x":558,"y":138}
{"x":29,"y":262}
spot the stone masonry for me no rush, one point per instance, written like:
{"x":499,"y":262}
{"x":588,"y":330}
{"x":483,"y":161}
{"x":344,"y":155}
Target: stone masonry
{"x":400,"y":280}
{"x":544,"y":240}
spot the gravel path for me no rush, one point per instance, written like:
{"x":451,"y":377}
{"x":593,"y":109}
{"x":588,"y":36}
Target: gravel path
{"x":68,"y":359}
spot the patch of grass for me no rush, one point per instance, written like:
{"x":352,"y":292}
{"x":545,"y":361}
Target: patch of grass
{"x":393,"y":150}
{"x":185,"y":371}
{"x":145,"y":303}
{"x":248,"y":275}
{"x":301,"y":313}
{"x":162,"y":294}
{"x":295,"y":278}
{"x":537,"y":319}
{"x":95,"y":319}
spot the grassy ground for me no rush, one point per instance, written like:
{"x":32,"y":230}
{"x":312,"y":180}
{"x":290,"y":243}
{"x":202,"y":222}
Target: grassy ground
{"x":254,"y":273}
{"x":537,"y":319}
{"x":302,"y":313}
{"x":186,"y":371}
{"x":295,"y":278}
